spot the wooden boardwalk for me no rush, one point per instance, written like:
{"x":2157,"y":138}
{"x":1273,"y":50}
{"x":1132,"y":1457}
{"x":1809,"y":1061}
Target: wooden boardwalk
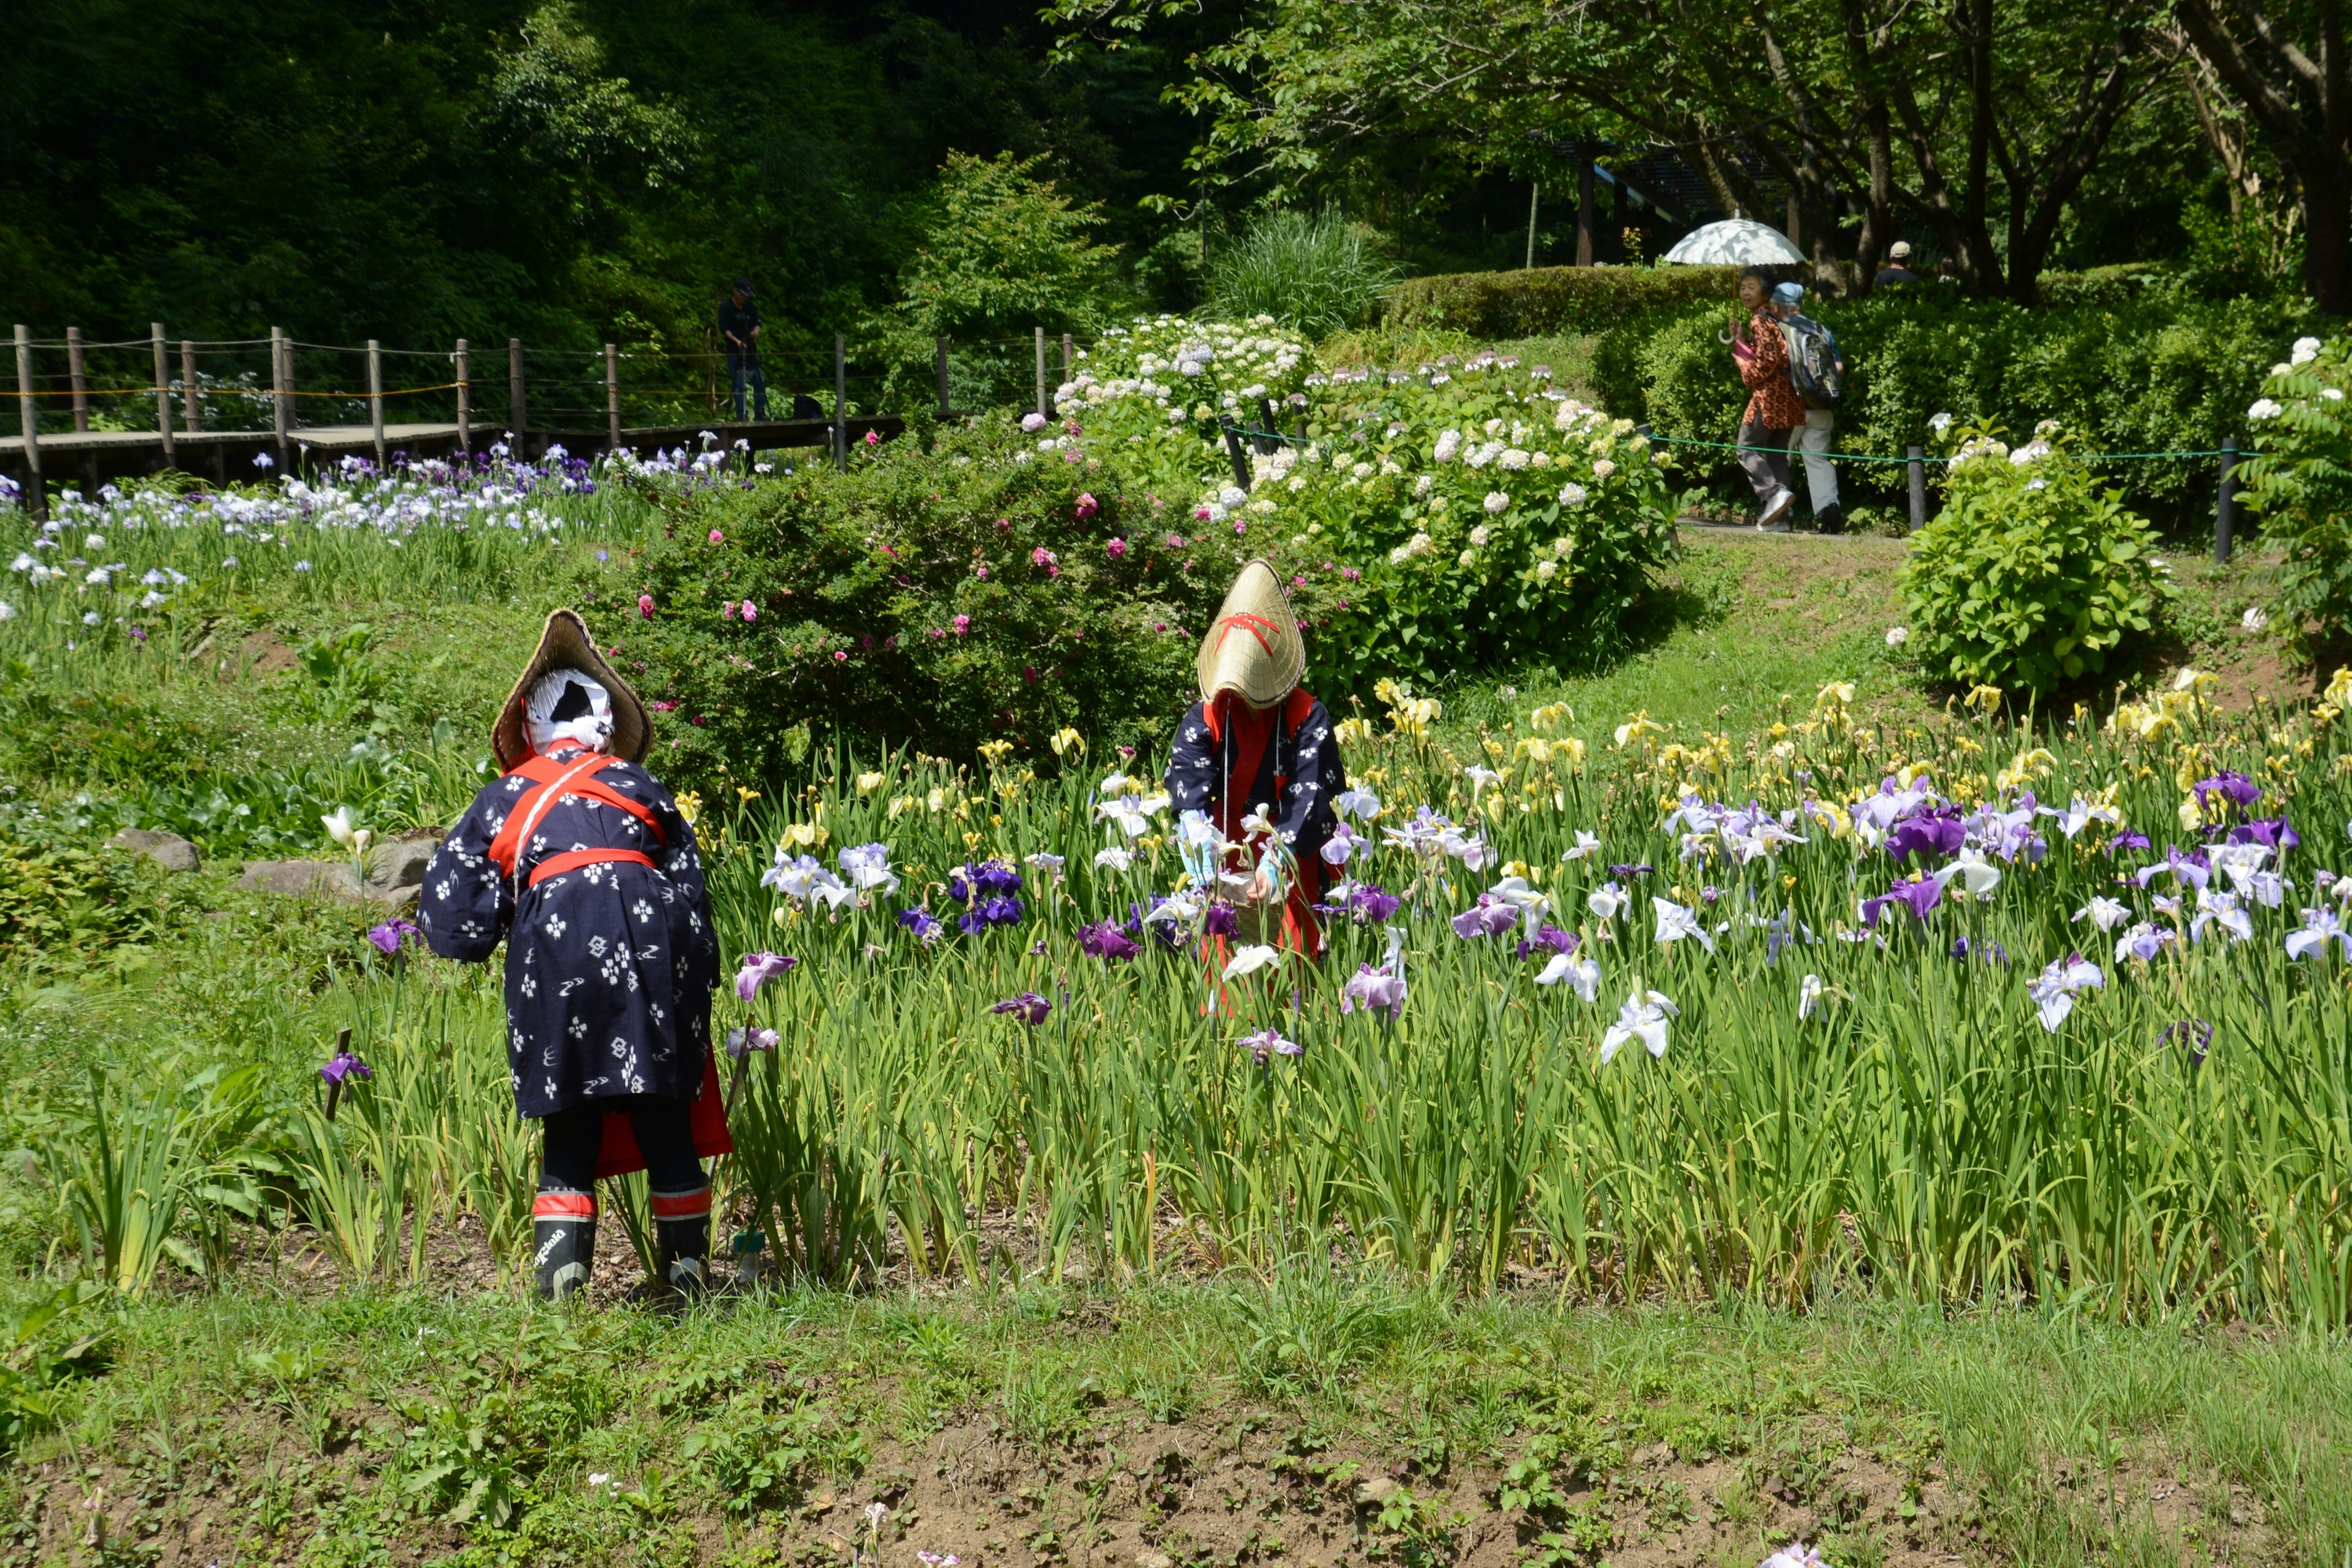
{"x":87,"y":460}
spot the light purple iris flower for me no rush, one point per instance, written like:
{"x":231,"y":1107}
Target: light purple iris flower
{"x":388,"y":936}
{"x":1268,"y":1042}
{"x":1490,"y":916}
{"x":345,"y":1065}
{"x":759,"y":968}
{"x":1921,"y":893}
{"x":1378,"y":990}
{"x":1029,"y":1007}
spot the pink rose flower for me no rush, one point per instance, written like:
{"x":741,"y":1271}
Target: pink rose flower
{"x":963,"y":624}
{"x":717,"y":537}
{"x":1087,"y":506}
{"x":982,"y":571}
{"x":727,"y":611}
{"x":750,"y":611}
{"x":840,"y":657}
{"x":1117,"y":549}
{"x":646,"y":606}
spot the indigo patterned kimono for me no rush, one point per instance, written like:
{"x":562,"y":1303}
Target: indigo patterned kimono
{"x":611,"y":955}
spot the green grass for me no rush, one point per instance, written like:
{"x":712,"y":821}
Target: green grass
{"x":1030,"y":1422}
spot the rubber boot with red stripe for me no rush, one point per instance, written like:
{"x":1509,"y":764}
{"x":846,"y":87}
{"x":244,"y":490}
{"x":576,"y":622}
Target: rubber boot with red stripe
{"x":682,"y":1240}
{"x":564,"y":1238}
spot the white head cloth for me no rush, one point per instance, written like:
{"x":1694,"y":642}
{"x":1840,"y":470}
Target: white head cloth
{"x":590,"y":726}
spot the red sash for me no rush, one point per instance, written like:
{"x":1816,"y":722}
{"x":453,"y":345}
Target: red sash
{"x":550,"y":781}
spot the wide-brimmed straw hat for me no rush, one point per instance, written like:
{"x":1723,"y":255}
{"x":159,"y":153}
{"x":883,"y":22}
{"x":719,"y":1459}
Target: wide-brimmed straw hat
{"x":566,"y":644}
{"x":1252,"y":646}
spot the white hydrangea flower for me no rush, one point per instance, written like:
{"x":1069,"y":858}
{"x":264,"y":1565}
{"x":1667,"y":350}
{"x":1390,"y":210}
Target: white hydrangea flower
{"x":2306,"y":350}
{"x":1497,"y":502}
{"x":2264,"y":408}
{"x":1449,"y":445}
{"x":1546,"y":570}
{"x":1571,"y":494}
{"x":1480,"y":535}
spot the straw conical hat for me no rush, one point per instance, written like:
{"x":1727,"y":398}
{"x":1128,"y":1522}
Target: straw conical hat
{"x":1252,"y":646}
{"x":566,"y":644}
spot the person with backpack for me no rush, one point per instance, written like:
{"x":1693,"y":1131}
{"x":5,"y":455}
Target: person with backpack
{"x":1817,"y":374}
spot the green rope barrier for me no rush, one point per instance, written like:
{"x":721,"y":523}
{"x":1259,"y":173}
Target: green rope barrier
{"x":1289,"y":439}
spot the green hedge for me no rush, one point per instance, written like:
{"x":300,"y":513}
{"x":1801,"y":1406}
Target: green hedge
{"x":1538,"y":301}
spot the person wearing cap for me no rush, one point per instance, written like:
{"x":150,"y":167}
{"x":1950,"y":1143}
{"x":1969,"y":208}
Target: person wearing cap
{"x":1257,"y":760}
{"x":1898,"y":265}
{"x":1774,"y":410}
{"x":738,"y":334}
{"x":1812,"y":436}
{"x":582,"y":862}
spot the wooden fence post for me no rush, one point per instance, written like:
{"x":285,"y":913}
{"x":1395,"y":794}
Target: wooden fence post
{"x":189,"y":403}
{"x":612,"y":399}
{"x":36,"y":498}
{"x":464,"y":402}
{"x":1067,"y":358}
{"x":162,"y":390}
{"x":1535,"y":201}
{"x":375,"y":400}
{"x":1916,"y":461}
{"x":2225,"y":504}
{"x":514,"y":387}
{"x":943,"y":378}
{"x":80,"y":380}
{"x":1044,"y":410}
{"x":1587,"y":209}
{"x":281,"y":383}
{"x":1233,"y":451}
{"x":841,"y":402}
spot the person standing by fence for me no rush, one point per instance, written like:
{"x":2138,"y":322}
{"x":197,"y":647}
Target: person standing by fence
{"x":1818,"y":372}
{"x":739,"y":334}
{"x":1773,"y":410}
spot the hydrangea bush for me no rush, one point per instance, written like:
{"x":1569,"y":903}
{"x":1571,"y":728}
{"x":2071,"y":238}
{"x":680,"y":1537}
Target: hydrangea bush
{"x":1457,"y":516}
{"x":2031,"y":575}
{"x":2301,"y":485}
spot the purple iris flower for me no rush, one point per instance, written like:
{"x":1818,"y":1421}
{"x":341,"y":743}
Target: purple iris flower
{"x":2194,"y":1036}
{"x":1490,"y":916}
{"x":1375,"y":989}
{"x":990,"y":912}
{"x":922,"y":922}
{"x":2271,"y":830}
{"x":1221,"y":920}
{"x":1371,"y":906}
{"x":1991,"y":952}
{"x":972,"y":883}
{"x":1107,"y":942}
{"x":1270,"y":1042}
{"x":1548,"y":938}
{"x":1936,"y":833}
{"x":2234,"y":787}
{"x":2190,"y":868}
{"x":345,"y":1065}
{"x":1922,"y":893}
{"x":1029,"y":1007}
{"x":2126,"y":840}
{"x":1169,"y":938}
{"x":1627,"y":873}
{"x":388,"y":936}
{"x":759,"y":968}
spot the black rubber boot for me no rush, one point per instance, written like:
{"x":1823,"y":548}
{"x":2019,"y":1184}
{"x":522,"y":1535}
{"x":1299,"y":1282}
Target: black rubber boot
{"x":682,"y":1240}
{"x":564,"y":1243}
{"x":1832,"y":518}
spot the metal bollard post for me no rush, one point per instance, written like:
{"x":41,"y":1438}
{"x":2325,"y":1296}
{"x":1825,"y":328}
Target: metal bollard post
{"x":2225,"y":504}
{"x":1044,"y":410}
{"x":1916,"y":459}
{"x":36,"y":499}
{"x":1234,"y":450}
{"x":162,"y":390}
{"x":943,"y":378}
{"x":375,"y":400}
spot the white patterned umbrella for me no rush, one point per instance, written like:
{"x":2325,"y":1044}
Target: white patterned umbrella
{"x":1735,"y":242}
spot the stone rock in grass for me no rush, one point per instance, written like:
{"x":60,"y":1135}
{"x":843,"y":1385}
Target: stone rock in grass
{"x":1373,"y":1490}
{"x":399,"y":866}
{"x":322,"y":879}
{"x":1147,"y":1558}
{"x":168,"y":850}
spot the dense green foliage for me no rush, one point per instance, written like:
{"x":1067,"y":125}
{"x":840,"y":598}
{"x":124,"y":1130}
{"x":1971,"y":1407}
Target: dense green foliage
{"x":1541,"y":301}
{"x":1313,"y":273}
{"x":2031,"y":575}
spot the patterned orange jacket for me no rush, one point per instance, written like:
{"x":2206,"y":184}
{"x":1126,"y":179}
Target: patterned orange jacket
{"x":1774,"y":402}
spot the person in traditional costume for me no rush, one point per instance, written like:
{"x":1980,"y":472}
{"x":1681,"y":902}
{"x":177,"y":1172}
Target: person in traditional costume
{"x":580,"y":860}
{"x":1258,"y":758}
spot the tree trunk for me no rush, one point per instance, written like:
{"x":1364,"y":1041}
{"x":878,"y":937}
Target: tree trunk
{"x":2327,"y":187}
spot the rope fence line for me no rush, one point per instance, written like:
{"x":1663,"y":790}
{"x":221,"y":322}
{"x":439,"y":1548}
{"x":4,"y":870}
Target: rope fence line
{"x":1873,"y":457}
